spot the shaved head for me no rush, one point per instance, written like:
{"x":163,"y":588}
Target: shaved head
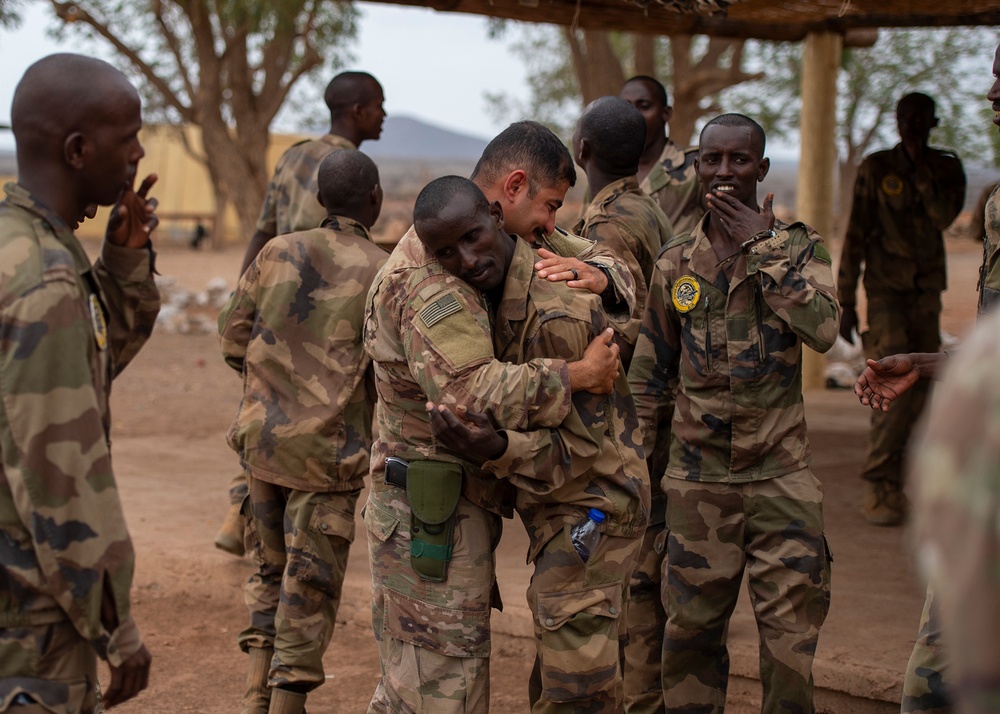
{"x":348,"y":89}
{"x":616,"y":134}
{"x":346,"y":179}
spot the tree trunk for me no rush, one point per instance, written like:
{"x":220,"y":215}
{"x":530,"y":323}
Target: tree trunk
{"x":644,"y":55}
{"x":238,"y":171}
{"x":598,"y":69}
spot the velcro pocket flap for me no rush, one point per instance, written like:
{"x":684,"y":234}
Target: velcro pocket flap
{"x":555,"y":609}
{"x":379,"y":522}
{"x":433,"y":489}
{"x":446,"y":631}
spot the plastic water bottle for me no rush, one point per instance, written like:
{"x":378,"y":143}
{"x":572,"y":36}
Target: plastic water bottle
{"x":585,"y":536}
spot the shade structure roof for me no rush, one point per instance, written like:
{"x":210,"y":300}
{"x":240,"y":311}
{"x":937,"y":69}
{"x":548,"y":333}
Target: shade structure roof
{"x":763,"y":19}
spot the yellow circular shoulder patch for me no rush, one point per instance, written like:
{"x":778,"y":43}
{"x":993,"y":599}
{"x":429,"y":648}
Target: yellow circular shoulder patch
{"x":685,"y":294}
{"x":100,"y":326}
{"x":892,"y":185}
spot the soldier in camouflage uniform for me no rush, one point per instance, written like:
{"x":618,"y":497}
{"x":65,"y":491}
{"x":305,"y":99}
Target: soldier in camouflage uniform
{"x":68,"y":328}
{"x":666,"y":171}
{"x":293,"y":328}
{"x":717,"y":380}
{"x":579,"y":607}
{"x":903,"y":199}
{"x":607,"y":144}
{"x":356,"y":114}
{"x":928,"y":683}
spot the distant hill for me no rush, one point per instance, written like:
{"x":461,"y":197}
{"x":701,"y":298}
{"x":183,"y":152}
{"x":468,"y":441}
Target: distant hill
{"x":413,"y":140}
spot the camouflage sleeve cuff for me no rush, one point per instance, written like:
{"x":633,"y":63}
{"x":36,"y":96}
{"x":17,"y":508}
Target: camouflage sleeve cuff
{"x":124,"y":642}
{"x":133,"y":265}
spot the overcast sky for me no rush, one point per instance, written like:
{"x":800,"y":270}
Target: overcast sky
{"x":435,"y":66}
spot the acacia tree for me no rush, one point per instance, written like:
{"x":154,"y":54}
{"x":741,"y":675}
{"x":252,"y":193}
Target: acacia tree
{"x":225,"y":66}
{"x":569,"y":68}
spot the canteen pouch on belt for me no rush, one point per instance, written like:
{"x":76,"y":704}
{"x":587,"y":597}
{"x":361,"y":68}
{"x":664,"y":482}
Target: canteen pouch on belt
{"x":433,"y":489}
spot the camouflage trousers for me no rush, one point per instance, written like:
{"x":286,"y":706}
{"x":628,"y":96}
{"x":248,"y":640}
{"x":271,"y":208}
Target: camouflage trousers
{"x":298,"y":541}
{"x":773,"y":530}
{"x":580,"y":614}
{"x":238,"y":488}
{"x":926,"y":684}
{"x":896,"y":325}
{"x":433,"y":638}
{"x":646,"y":620}
{"x":47,"y":668}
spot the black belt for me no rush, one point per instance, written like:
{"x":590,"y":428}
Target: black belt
{"x":395,"y":472}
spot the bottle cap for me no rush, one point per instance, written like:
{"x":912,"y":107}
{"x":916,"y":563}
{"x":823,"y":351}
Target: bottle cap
{"x":596,"y":516}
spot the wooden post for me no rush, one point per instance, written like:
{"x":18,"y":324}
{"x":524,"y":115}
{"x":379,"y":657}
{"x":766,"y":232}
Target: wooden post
{"x":818,"y":155}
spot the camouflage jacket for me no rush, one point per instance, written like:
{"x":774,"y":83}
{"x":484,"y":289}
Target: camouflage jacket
{"x":673,"y":183}
{"x":896,"y":221}
{"x":290,"y":204}
{"x":989,"y":273}
{"x":628,"y":223}
{"x":429,"y":337}
{"x":293,"y":328}
{"x":594,"y":459}
{"x":717,"y":373}
{"x":956,"y":469}
{"x":619,"y":297}
{"x":66,"y":329}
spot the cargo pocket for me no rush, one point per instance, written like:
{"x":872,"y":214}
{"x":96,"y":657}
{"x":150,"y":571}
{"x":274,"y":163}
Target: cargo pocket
{"x":318,"y":556}
{"x":57,"y":697}
{"x":380,"y":523}
{"x":579,"y":630}
{"x":446,"y":631}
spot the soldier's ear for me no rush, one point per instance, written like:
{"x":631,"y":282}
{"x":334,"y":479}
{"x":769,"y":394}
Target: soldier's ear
{"x":514,"y":183}
{"x":75,"y":150}
{"x":319,"y":197}
{"x":765,"y":166}
{"x":496,"y":210}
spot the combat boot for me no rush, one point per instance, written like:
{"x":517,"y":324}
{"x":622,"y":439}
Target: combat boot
{"x":884,"y":504}
{"x":285,"y":701}
{"x":230,"y":536}
{"x":258,"y":696}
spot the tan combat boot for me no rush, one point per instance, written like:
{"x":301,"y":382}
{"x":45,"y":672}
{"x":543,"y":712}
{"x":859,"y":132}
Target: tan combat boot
{"x":884,"y":504}
{"x":285,"y":701}
{"x":258,"y":696}
{"x":230,"y":536}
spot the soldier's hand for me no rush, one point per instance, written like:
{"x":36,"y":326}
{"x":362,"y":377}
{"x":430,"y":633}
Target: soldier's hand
{"x":848,"y":323}
{"x":598,"y":369}
{"x":133,"y":218}
{"x":573,"y":271}
{"x":465,"y":433}
{"x":884,"y":381}
{"x":129,"y":679}
{"x":739,"y":220}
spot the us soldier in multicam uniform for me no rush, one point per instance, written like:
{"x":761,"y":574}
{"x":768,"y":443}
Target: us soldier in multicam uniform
{"x":293,"y":328}
{"x":929,"y":682}
{"x":68,"y":328}
{"x":903,"y":199}
{"x":607,"y":144}
{"x":666,"y":171}
{"x":356,"y":114}
{"x":717,"y":380}
{"x":579,"y":607}
{"x":430,"y":338}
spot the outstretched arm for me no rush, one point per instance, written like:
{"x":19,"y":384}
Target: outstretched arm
{"x":885,"y":380}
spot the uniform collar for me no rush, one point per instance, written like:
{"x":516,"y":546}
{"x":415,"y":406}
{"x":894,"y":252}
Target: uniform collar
{"x":19,"y":196}
{"x":343,"y":224}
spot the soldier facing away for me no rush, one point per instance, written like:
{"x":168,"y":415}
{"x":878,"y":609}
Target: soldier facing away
{"x":903,"y":199}
{"x":68,"y":328}
{"x":356,"y":114}
{"x":578,"y":605}
{"x":293,"y":328}
{"x":717,"y":380}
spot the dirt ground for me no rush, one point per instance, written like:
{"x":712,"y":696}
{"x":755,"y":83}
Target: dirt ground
{"x":171,"y":409}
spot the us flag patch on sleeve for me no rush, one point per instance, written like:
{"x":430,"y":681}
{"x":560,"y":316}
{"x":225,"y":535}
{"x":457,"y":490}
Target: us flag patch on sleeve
{"x":445,"y":305}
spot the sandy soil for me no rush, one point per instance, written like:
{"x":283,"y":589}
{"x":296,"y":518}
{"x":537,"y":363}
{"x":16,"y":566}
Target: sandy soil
{"x":171,"y":409}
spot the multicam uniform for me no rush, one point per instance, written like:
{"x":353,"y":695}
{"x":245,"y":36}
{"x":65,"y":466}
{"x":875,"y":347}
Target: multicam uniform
{"x":956,"y":464}
{"x":628,"y":223}
{"x":303,"y":432}
{"x":717,"y":381}
{"x":430,"y":338}
{"x":579,"y":608}
{"x":673,"y":183}
{"x":290,"y":205}
{"x":66,"y":329}
{"x":928,"y":683}
{"x":895,"y":228}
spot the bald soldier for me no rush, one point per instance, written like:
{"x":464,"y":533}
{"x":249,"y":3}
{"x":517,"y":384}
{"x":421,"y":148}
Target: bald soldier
{"x":607,"y":145}
{"x":356,"y":115}
{"x":69,"y":327}
{"x":293,"y":328}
